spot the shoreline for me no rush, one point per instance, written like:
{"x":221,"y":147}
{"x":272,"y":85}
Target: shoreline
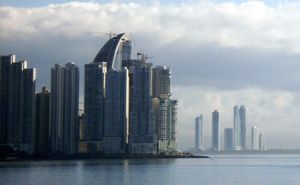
{"x":95,"y":157}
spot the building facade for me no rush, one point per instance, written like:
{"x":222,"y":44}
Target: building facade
{"x":94,"y":96}
{"x":116,"y":127}
{"x":64,"y":108}
{"x":42,"y":139}
{"x":22,"y":107}
{"x":228,"y":139}
{"x":167,"y":126}
{"x":5,"y":85}
{"x":143,"y":138}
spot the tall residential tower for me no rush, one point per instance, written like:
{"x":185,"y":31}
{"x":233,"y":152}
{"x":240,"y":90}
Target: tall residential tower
{"x":64,"y":108}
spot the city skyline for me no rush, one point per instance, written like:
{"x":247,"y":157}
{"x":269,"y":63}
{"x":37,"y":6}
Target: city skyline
{"x":221,"y":68}
{"x":127,"y":110}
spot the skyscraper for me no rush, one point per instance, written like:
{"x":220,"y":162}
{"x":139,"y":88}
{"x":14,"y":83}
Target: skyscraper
{"x":215,"y":131}
{"x":236,"y":129}
{"x":228,"y":139}
{"x":262,"y":142}
{"x":242,"y":115}
{"x":116,"y":125}
{"x":22,"y":107}
{"x":167,"y":127}
{"x":5,"y":83}
{"x":64,"y":108}
{"x":166,"y":113}
{"x":42,"y":140}
{"x":199,"y":132}
{"x":143,"y":138}
{"x":239,"y":128}
{"x":254,"y":138}
{"x":94,"y":95}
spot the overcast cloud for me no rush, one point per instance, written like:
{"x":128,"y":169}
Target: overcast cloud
{"x":221,"y":54}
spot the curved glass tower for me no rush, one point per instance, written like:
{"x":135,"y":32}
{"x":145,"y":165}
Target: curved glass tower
{"x":115,"y":51}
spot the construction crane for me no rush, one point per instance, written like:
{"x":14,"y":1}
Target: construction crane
{"x":110,"y":34}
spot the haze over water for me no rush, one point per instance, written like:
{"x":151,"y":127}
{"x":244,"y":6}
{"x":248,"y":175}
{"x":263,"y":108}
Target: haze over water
{"x":218,"y":170}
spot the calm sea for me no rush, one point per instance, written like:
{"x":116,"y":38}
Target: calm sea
{"x":218,"y":170}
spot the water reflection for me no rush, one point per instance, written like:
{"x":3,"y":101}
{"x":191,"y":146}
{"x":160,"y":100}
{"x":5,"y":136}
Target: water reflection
{"x":265,"y":170}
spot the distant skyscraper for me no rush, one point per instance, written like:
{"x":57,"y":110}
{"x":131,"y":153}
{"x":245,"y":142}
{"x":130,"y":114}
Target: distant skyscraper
{"x":5,"y":84}
{"x":254,"y":138}
{"x":228,"y":139}
{"x":116,"y":127}
{"x":64,"y":108}
{"x":161,"y":82}
{"x":94,"y":94}
{"x":215,"y":131}
{"x":143,"y":138}
{"x":43,"y":142}
{"x":239,"y":128}
{"x":242,"y":115}
{"x":199,"y":132}
{"x":262,"y":142}
{"x":236,"y":129}
{"x":22,"y":107}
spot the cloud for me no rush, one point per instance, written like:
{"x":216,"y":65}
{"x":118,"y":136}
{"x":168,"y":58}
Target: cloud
{"x":221,"y":54}
{"x":250,"y":24}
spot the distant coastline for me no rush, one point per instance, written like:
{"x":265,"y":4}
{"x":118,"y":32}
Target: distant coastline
{"x":249,"y":152}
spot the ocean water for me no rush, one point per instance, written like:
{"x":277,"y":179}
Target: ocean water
{"x":217,"y":170}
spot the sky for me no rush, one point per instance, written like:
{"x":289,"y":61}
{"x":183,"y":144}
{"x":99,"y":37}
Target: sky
{"x":222,"y":53}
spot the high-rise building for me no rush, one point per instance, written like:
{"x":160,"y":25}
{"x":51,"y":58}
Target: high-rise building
{"x":254,"y":138}
{"x":166,"y":113}
{"x":239,"y":128}
{"x":228,"y":139}
{"x":199,"y":132}
{"x":167,"y":123}
{"x":161,"y":82}
{"x":64,"y":108}
{"x":116,"y":124}
{"x":42,"y":139}
{"x":262,"y":142}
{"x":22,"y":107}
{"x":242,"y":115}
{"x":94,"y":95}
{"x":143,"y":138}
{"x":215,"y":131}
{"x":5,"y":83}
{"x":236,"y":129}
